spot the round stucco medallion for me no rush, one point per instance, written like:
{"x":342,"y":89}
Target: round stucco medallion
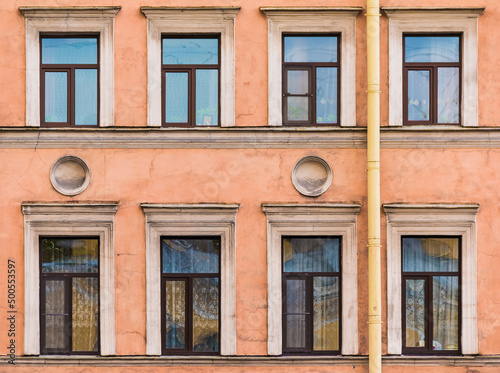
{"x":312,"y":176}
{"x":70,"y":175}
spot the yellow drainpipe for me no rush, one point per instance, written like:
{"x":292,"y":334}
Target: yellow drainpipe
{"x":373,"y":171}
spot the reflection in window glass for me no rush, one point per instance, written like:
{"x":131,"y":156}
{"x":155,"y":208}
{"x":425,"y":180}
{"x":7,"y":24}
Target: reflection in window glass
{"x":85,"y":96}
{"x":70,"y":255}
{"x":431,"y":272}
{"x":65,"y":51}
{"x":432,"y":49}
{"x":190,"y":51}
{"x":326,"y":95}
{"x":311,"y":320}
{"x":207,"y":97}
{"x":176,"y":97}
{"x":448,"y":94}
{"x":310,"y":48}
{"x":69,"y":295}
{"x":418,"y":95}
{"x":191,"y":295}
{"x":56,"y":97}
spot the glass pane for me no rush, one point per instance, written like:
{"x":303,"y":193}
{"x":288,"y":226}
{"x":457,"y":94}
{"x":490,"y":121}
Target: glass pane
{"x":430,"y":254}
{"x":326,"y":315}
{"x":295,"y":296}
{"x":311,"y":254}
{"x":297,"y":108}
{"x":445,"y":304}
{"x":65,"y":255}
{"x":432,"y":49}
{"x":418,"y":95}
{"x":69,"y":51}
{"x":448,"y":94}
{"x":190,"y":51}
{"x":310,"y":49}
{"x":191,"y":255}
{"x":56,"y":333}
{"x":415,"y":313}
{"x":176,"y":97}
{"x":207,"y":97}
{"x":326,"y":95}
{"x":295,"y":331}
{"x":85,"y":314}
{"x":85,"y":96}
{"x":298,"y":82}
{"x":55,"y":297}
{"x":175,"y":314}
{"x":56,"y":97}
{"x":205,"y":314}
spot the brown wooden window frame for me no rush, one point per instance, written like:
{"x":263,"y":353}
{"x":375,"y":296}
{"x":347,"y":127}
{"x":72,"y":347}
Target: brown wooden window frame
{"x":67,"y":278}
{"x":432,"y":67}
{"x":428,"y":276}
{"x":309,"y":278}
{"x":191,"y":71}
{"x":70,"y":70}
{"x":187,"y":278}
{"x":311,"y":67}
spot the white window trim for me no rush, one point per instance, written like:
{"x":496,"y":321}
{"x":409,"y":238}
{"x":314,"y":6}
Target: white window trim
{"x":207,"y":20}
{"x":191,"y":220}
{"x":305,"y":220}
{"x":434,"y":20}
{"x":69,"y":219}
{"x":318,"y":20}
{"x":442,"y":219}
{"x":70,"y":19}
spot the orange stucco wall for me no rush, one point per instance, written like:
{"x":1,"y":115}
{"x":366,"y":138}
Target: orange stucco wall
{"x":245,"y":176}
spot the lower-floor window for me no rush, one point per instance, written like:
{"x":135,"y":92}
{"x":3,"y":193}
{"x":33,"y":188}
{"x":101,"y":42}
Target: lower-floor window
{"x":69,"y":295}
{"x":431,"y":291}
{"x":190,"y":295}
{"x":311,"y":294}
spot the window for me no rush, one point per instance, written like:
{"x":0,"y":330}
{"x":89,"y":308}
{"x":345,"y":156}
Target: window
{"x":431,"y":279}
{"x":312,"y":279}
{"x":432,"y":70}
{"x":69,"y":283}
{"x":314,"y":49}
{"x":431,"y":295}
{"x":69,"y":66}
{"x":438,"y":82}
{"x":311,"y":294}
{"x":190,"y":250}
{"x":190,"y":295}
{"x":310,"y":79}
{"x":190,"y":80}
{"x":69,"y":295}
{"x":69,"y":79}
{"x":199,"y":90}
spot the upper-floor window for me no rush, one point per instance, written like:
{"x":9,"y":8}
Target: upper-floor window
{"x":310,"y":79}
{"x":311,"y":294}
{"x":69,"y":80}
{"x":69,"y":295}
{"x":190,"y":80}
{"x":432,"y":79}
{"x":431,"y":295}
{"x":190,"y":295}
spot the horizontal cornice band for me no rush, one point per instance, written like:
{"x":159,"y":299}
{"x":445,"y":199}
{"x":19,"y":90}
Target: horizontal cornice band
{"x":131,"y":361}
{"x":245,"y":138}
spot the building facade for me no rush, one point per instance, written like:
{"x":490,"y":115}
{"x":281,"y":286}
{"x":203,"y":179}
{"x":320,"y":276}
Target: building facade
{"x":184,"y":186}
